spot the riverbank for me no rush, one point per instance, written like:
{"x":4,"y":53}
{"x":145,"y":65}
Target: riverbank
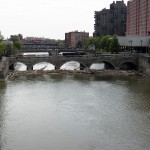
{"x":102,"y":73}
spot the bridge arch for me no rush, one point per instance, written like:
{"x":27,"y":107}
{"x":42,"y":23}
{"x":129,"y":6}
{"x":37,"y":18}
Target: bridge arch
{"x":42,"y":62}
{"x":82,"y":65}
{"x":128,"y":65}
{"x":109,"y":65}
{"x":12,"y":65}
{"x":111,"y":62}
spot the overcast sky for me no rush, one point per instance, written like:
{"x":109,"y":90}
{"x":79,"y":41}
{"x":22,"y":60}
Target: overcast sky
{"x":48,"y":18}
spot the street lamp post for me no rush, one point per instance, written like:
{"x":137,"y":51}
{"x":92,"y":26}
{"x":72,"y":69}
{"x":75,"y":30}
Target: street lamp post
{"x":131,"y":44}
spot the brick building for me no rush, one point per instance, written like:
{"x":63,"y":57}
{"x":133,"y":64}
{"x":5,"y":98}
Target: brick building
{"x":72,"y":38}
{"x":111,"y":21}
{"x":102,"y":22}
{"x":138,"y":17}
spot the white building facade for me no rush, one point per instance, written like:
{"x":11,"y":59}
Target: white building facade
{"x":137,"y":43}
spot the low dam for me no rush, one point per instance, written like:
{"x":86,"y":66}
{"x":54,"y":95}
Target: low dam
{"x":139,"y":62}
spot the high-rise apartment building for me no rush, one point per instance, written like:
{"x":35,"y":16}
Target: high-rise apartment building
{"x":72,"y":38}
{"x":102,"y":23}
{"x":111,"y":21}
{"x":138,"y":17}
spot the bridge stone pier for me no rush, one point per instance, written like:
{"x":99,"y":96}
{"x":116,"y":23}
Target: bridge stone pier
{"x":113,"y":61}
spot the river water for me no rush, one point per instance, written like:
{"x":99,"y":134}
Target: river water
{"x":75,"y":112}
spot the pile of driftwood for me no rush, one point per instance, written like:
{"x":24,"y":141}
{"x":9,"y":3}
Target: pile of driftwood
{"x":89,"y":71}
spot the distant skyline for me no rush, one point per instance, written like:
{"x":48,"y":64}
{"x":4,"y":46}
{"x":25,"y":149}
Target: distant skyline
{"x":48,"y":18}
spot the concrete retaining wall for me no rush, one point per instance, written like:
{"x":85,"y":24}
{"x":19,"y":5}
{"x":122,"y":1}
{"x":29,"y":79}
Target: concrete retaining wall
{"x":4,"y":68}
{"x":144,"y":63}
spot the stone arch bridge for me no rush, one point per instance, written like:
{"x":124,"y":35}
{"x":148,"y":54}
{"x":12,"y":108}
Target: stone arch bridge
{"x":112,"y":61}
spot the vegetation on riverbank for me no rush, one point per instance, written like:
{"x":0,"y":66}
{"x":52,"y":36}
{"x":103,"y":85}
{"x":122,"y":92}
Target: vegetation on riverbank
{"x":10,"y":46}
{"x":107,"y":43}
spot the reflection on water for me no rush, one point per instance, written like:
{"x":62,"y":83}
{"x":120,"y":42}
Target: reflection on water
{"x":142,"y":87}
{"x":2,"y":114}
{"x":80,"y":112}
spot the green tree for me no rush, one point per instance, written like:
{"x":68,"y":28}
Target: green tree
{"x":108,"y":42}
{"x":1,"y":38}
{"x":18,"y":45}
{"x":15,"y":38}
{"x":80,"y":44}
{"x":95,"y":41}
{"x":105,"y":41}
{"x":2,"y":46}
{"x":2,"y":49}
{"x":114,"y":45}
{"x":59,"y":43}
{"x":8,"y":50}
